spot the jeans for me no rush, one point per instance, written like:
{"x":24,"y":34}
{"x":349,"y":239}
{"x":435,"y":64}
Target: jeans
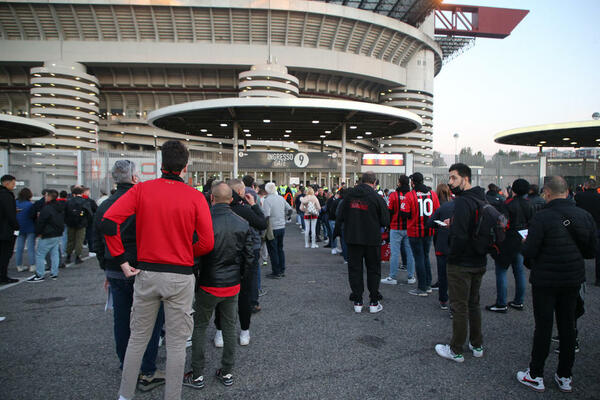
{"x":333,"y":241}
{"x":63,"y":243}
{"x":325,"y":220}
{"x":546,"y":301}
{"x":520,"y":281}
{"x":276,"y":253}
{"x":420,"y":248}
{"x":371,"y":257}
{"x":464,"y":284}
{"x":442,"y":277}
{"x":45,"y":246}
{"x":122,"y":294}
{"x":301,"y":217}
{"x":399,"y":240}
{"x":28,"y":238}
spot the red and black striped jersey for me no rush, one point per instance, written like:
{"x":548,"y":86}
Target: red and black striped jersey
{"x":419,"y":206}
{"x":399,"y":221}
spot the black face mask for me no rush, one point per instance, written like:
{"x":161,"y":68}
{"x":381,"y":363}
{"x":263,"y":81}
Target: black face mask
{"x":456,"y":190}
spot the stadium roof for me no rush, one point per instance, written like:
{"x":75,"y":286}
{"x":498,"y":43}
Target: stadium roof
{"x":274,"y":118}
{"x":12,"y":127}
{"x":566,"y":134}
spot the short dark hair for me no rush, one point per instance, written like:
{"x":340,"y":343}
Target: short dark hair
{"x":534,"y":189}
{"x":24,"y":194}
{"x":403,"y":180}
{"x":417,"y":177}
{"x":77,"y":190}
{"x":248,"y":180}
{"x":520,"y":187}
{"x":591,"y":183}
{"x":52,"y":193}
{"x":556,"y":185}
{"x":368,"y":177}
{"x":463,"y":170}
{"x":492,"y":186}
{"x":7,"y":178}
{"x":174,"y":156}
{"x":63,"y":194}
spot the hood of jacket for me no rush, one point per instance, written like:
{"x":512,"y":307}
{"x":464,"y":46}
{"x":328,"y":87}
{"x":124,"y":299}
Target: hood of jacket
{"x":362,"y":190}
{"x":475,"y":193}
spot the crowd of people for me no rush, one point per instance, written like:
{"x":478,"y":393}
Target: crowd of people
{"x":220,"y":237}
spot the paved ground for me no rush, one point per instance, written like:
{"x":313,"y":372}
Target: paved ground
{"x":306,"y":343}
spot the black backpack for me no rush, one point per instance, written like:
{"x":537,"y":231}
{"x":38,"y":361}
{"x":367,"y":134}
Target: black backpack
{"x":77,"y":214}
{"x":489,"y":232}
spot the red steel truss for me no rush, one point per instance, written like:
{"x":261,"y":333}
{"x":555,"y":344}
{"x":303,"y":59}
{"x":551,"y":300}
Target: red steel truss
{"x":476,"y":21}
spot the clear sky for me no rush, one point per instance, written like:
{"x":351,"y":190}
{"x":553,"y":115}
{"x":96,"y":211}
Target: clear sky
{"x":547,"y":70}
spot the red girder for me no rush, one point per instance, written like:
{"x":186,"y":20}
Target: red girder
{"x":476,"y":21}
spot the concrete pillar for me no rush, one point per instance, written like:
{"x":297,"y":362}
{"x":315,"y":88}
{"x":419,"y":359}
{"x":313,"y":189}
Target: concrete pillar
{"x":204,"y":181}
{"x":329,"y":179}
{"x":236,"y":127}
{"x":343,"y":153}
{"x":270,"y":176}
{"x":542,"y":166}
{"x":319,"y":178}
{"x":304,"y":178}
{"x":79,"y":167}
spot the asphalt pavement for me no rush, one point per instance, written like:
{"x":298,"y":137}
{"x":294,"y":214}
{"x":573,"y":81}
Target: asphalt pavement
{"x":306,"y":343}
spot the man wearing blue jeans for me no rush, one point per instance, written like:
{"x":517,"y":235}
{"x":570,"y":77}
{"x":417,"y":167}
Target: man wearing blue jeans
{"x":420,"y":247}
{"x":520,"y":282}
{"x":275,"y":208}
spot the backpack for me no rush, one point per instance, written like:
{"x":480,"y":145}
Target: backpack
{"x":76,"y":215}
{"x":489,"y":232}
{"x":311,"y":209}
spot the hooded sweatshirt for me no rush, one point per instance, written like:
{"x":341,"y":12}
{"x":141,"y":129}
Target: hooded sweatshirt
{"x":462,"y":229}
{"x":363,"y":214}
{"x":304,"y":206}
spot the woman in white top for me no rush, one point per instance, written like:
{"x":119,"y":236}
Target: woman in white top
{"x":310,"y":207}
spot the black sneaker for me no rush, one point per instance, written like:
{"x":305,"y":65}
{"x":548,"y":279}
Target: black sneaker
{"x":274,"y":276}
{"x":435,"y":286}
{"x":8,"y":280}
{"x":497,"y":308}
{"x":403,"y":267}
{"x":148,"y":382}
{"x":54,"y":277}
{"x":189,"y":381}
{"x":68,"y":259}
{"x":556,"y":339}
{"x":516,"y":306}
{"x":36,"y":278}
{"x":78,"y":260}
{"x":444,"y":306}
{"x":226,"y":379}
{"x":255,"y":308}
{"x":62,"y":265}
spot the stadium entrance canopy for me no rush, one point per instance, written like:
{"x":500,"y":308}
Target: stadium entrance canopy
{"x":566,"y":134}
{"x":12,"y":127}
{"x":263,"y":118}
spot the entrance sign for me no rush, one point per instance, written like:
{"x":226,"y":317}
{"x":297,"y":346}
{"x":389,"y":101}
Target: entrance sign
{"x":286,"y":160}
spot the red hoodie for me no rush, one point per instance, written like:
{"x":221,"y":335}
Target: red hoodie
{"x":170,"y":216}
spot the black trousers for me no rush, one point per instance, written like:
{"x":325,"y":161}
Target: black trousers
{"x":6,"y":251}
{"x":547,"y":301}
{"x":371,"y":256}
{"x":244,"y":305}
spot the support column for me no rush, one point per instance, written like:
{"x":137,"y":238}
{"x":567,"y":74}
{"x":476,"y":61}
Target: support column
{"x":79,"y":168}
{"x":270,"y":176}
{"x":542,"y":170}
{"x":304,"y":184}
{"x":329,"y":180}
{"x":343,"y":152}
{"x":236,"y":127}
{"x":319,"y":178}
{"x":256,"y":176}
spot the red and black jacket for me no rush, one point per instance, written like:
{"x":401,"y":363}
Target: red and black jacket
{"x":418,"y":205}
{"x":398,"y":221}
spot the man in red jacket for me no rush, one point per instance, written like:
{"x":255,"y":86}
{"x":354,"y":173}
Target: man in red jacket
{"x":173,"y":224}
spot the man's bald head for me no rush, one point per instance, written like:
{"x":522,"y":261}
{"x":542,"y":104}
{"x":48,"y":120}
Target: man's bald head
{"x":221,"y":193}
{"x":237,"y":186}
{"x":556,"y":188}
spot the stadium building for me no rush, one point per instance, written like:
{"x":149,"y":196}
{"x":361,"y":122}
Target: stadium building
{"x":95,"y":70}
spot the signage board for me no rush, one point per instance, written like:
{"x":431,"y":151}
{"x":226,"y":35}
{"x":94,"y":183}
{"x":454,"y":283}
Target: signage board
{"x":285,"y":160}
{"x":385,"y":160}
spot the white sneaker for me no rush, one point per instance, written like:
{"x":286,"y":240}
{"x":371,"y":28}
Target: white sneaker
{"x":444,"y":350}
{"x":32,"y":268}
{"x":92,"y":254}
{"x":358,"y":307}
{"x":314,"y":246}
{"x":334,"y":251}
{"x":389,"y":281}
{"x":21,"y":268}
{"x":188,"y":342}
{"x":244,"y":338}
{"x":564,"y":384}
{"x":411,"y":281}
{"x":477,"y":351}
{"x":306,"y":246}
{"x":525,"y":378}
{"x":375,"y":308}
{"x":219,"y":339}
{"x":2,"y":319}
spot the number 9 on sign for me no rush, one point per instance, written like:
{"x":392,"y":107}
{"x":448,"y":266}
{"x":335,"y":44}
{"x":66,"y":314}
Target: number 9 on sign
{"x":301,"y":160}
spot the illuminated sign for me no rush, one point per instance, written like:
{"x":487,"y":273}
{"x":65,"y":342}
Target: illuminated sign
{"x":396,"y":160}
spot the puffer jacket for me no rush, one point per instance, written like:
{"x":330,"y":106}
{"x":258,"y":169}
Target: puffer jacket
{"x":51,"y":221}
{"x":552,"y":254}
{"x":462,"y":228}
{"x":232,"y":256}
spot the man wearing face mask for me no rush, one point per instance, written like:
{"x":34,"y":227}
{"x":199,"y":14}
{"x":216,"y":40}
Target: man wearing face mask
{"x":465,"y":267}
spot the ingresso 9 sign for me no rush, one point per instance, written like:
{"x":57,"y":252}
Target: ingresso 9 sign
{"x":396,"y":159}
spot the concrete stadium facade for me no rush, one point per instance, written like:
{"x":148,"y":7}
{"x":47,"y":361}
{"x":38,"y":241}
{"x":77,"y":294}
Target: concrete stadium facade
{"x":95,"y":69}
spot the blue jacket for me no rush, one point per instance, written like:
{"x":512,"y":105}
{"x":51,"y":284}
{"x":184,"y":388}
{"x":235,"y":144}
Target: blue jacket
{"x":26,"y":216}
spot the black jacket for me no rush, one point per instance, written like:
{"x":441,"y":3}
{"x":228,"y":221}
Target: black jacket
{"x":550,"y":251}
{"x":519,"y":211}
{"x":442,"y":233}
{"x":536,"y":202}
{"x":252,"y":214}
{"x":589,"y":200}
{"x":78,"y":203}
{"x":127,"y":230}
{"x":364,"y":213}
{"x":495,"y":199}
{"x":8,"y":214}
{"x":232,"y":256}
{"x":51,"y":221}
{"x":331,"y":205}
{"x":462,"y":229}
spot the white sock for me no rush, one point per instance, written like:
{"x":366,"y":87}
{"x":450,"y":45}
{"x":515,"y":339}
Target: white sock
{"x":122,"y":398}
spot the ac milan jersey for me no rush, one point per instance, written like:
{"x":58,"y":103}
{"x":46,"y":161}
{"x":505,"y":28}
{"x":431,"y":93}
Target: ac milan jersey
{"x":398,"y":220}
{"x":420,"y":206}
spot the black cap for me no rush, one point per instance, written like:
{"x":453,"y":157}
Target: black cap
{"x":417,"y":177}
